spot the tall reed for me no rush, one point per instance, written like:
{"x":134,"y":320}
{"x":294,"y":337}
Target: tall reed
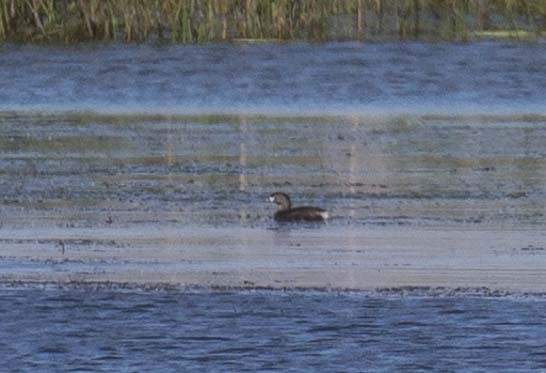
{"x":191,"y":21}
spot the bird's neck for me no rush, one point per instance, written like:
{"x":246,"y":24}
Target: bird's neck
{"x":284,"y":206}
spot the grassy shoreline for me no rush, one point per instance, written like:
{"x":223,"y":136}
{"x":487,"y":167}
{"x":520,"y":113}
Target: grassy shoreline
{"x":195,"y":21}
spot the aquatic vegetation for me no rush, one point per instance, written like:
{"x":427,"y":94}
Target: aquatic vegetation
{"x":194,"y":21}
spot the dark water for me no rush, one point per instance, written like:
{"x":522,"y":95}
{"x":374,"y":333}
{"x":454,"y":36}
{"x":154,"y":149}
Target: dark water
{"x":104,"y":331}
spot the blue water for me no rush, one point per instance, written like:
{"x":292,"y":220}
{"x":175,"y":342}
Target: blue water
{"x":442,"y":135}
{"x":295,"y":78}
{"x":128,"y":331}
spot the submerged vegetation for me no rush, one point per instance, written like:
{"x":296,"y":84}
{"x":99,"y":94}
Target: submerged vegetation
{"x":191,"y":21}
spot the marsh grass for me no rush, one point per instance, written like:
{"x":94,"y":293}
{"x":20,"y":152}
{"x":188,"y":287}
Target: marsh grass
{"x":194,"y":21}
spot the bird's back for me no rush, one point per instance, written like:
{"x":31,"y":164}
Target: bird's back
{"x":306,"y":213}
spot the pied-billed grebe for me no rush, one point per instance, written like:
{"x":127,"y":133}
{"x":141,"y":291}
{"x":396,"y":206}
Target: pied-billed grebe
{"x":285,"y":212}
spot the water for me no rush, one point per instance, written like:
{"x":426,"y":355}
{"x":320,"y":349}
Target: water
{"x":266,"y":331}
{"x":147,"y":167}
{"x":378,"y":133}
{"x":220,"y":171}
{"x":295,"y":78}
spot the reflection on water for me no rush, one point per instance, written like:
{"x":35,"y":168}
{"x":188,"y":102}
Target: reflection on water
{"x":68,"y":170}
{"x":125,"y":134}
{"x":151,"y":165}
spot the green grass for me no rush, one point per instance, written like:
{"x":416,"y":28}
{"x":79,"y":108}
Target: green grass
{"x":197,"y":21}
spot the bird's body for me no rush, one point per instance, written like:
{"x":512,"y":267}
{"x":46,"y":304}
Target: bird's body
{"x":285,"y":212}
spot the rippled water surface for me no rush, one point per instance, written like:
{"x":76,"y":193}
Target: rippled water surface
{"x":378,"y":133}
{"x":273,"y":78}
{"x":84,"y":171}
{"x":147,"y":165}
{"x":266,"y":331}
